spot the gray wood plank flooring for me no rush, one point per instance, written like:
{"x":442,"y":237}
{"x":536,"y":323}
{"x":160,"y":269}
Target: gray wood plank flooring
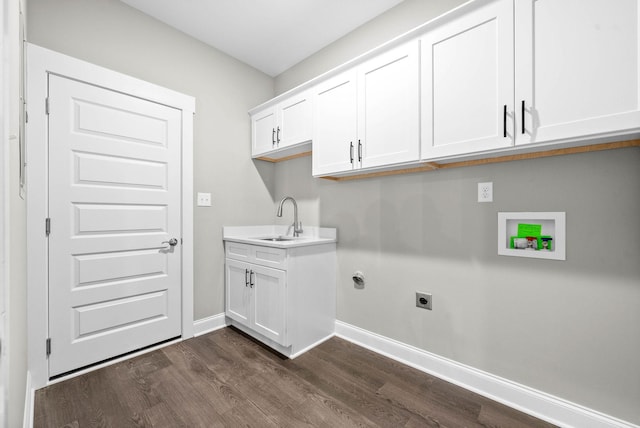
{"x":226,"y":379}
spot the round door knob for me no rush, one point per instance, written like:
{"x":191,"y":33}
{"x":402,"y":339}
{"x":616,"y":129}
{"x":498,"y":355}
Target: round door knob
{"x":173,"y":242}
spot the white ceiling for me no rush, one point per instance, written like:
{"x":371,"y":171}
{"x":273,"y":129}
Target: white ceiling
{"x":270,"y":35}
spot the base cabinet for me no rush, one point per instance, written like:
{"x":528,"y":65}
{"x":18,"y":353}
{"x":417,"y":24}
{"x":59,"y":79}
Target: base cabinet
{"x":282,"y":297}
{"x":256,"y":298}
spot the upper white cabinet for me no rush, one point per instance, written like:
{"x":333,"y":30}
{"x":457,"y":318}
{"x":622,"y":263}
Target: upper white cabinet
{"x":263,"y":131}
{"x":510,"y":73}
{"x":368,"y":116}
{"x":491,"y":77}
{"x":278,"y":129}
{"x":577,"y":69}
{"x":467,"y":83}
{"x":335,"y":124}
{"x":389,"y":107}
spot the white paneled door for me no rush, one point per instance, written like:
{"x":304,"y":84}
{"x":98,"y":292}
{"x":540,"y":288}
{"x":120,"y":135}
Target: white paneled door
{"x":114,"y":207}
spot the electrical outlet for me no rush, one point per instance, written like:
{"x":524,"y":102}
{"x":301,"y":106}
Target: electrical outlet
{"x":485,"y":192}
{"x":424,"y":300}
{"x":204,"y":199}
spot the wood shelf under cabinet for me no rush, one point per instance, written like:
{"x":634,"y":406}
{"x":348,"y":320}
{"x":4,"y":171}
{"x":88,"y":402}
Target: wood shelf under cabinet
{"x":433,"y":166}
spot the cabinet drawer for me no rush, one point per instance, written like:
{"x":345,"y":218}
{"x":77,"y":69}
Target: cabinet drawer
{"x":263,"y":256}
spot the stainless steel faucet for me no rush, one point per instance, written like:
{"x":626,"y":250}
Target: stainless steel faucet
{"x":297,"y":226}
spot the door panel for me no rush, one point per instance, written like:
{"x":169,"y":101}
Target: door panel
{"x":93,"y":269}
{"x":389,"y":107}
{"x":467,"y":80}
{"x":114,"y":197}
{"x":109,"y":121}
{"x":335,"y":125}
{"x":113,"y":171}
{"x":269,"y":305}
{"x":263,"y":128}
{"x":103,"y":317}
{"x":237,"y":293}
{"x":100,"y":218}
{"x":295,"y":120}
{"x":596,"y":90}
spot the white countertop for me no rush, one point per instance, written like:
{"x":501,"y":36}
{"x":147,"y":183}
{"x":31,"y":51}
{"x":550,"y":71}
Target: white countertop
{"x":311,"y":235}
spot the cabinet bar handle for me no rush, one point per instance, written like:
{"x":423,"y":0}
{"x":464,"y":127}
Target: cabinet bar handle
{"x":251,"y":277}
{"x":273,"y":137}
{"x":523,"y":117}
{"x":278,"y":136}
{"x":246,"y":277}
{"x":351,"y":151}
{"x":359,"y":151}
{"x":504,"y":121}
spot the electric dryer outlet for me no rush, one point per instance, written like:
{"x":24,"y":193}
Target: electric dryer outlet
{"x":424,"y":300}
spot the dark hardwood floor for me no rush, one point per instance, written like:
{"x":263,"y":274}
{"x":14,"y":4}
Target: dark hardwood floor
{"x":226,"y":379}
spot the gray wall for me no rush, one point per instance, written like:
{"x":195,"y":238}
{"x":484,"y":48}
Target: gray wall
{"x":566,"y":328}
{"x":396,"y":21}
{"x":114,"y":35}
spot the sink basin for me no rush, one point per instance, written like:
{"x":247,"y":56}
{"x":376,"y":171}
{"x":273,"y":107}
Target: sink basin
{"x":277,"y":238}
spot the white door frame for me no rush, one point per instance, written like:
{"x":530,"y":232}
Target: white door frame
{"x":4,"y":214}
{"x":41,"y":62}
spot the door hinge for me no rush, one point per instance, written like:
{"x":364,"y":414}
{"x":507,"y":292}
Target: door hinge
{"x":47,"y":226}
{"x":48,"y":346}
{"x":46,"y":105}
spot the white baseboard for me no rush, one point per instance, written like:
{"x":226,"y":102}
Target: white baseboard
{"x":209,"y":324}
{"x":528,"y":400}
{"x":29,"y":401}
{"x":313,"y":345}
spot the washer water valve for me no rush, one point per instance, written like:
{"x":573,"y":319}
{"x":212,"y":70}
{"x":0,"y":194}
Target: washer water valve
{"x":358,"y":280}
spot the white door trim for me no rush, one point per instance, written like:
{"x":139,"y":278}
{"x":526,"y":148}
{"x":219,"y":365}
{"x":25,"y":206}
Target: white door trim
{"x":41,"y":62}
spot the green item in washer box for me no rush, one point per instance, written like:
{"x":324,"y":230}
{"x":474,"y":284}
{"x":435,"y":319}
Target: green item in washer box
{"x":525,"y":230}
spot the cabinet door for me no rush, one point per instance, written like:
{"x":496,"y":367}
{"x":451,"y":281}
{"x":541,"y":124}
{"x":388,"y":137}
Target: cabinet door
{"x":294,"y":123}
{"x":467,"y":83}
{"x":263,"y":131}
{"x":237,"y":291}
{"x":269,"y":303}
{"x":577,"y":68}
{"x":335,"y":125}
{"x":388,"y":108}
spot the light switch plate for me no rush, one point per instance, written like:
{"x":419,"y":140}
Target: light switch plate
{"x":204,"y":199}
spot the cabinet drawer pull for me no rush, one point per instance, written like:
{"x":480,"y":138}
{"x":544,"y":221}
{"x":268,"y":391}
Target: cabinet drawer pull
{"x":278,"y":136}
{"x":351,"y":151}
{"x":523,"y":117}
{"x":504,"y":121}
{"x":246,"y":277}
{"x":359,"y":151}
{"x":273,"y":137}
{"x":251,"y":278}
